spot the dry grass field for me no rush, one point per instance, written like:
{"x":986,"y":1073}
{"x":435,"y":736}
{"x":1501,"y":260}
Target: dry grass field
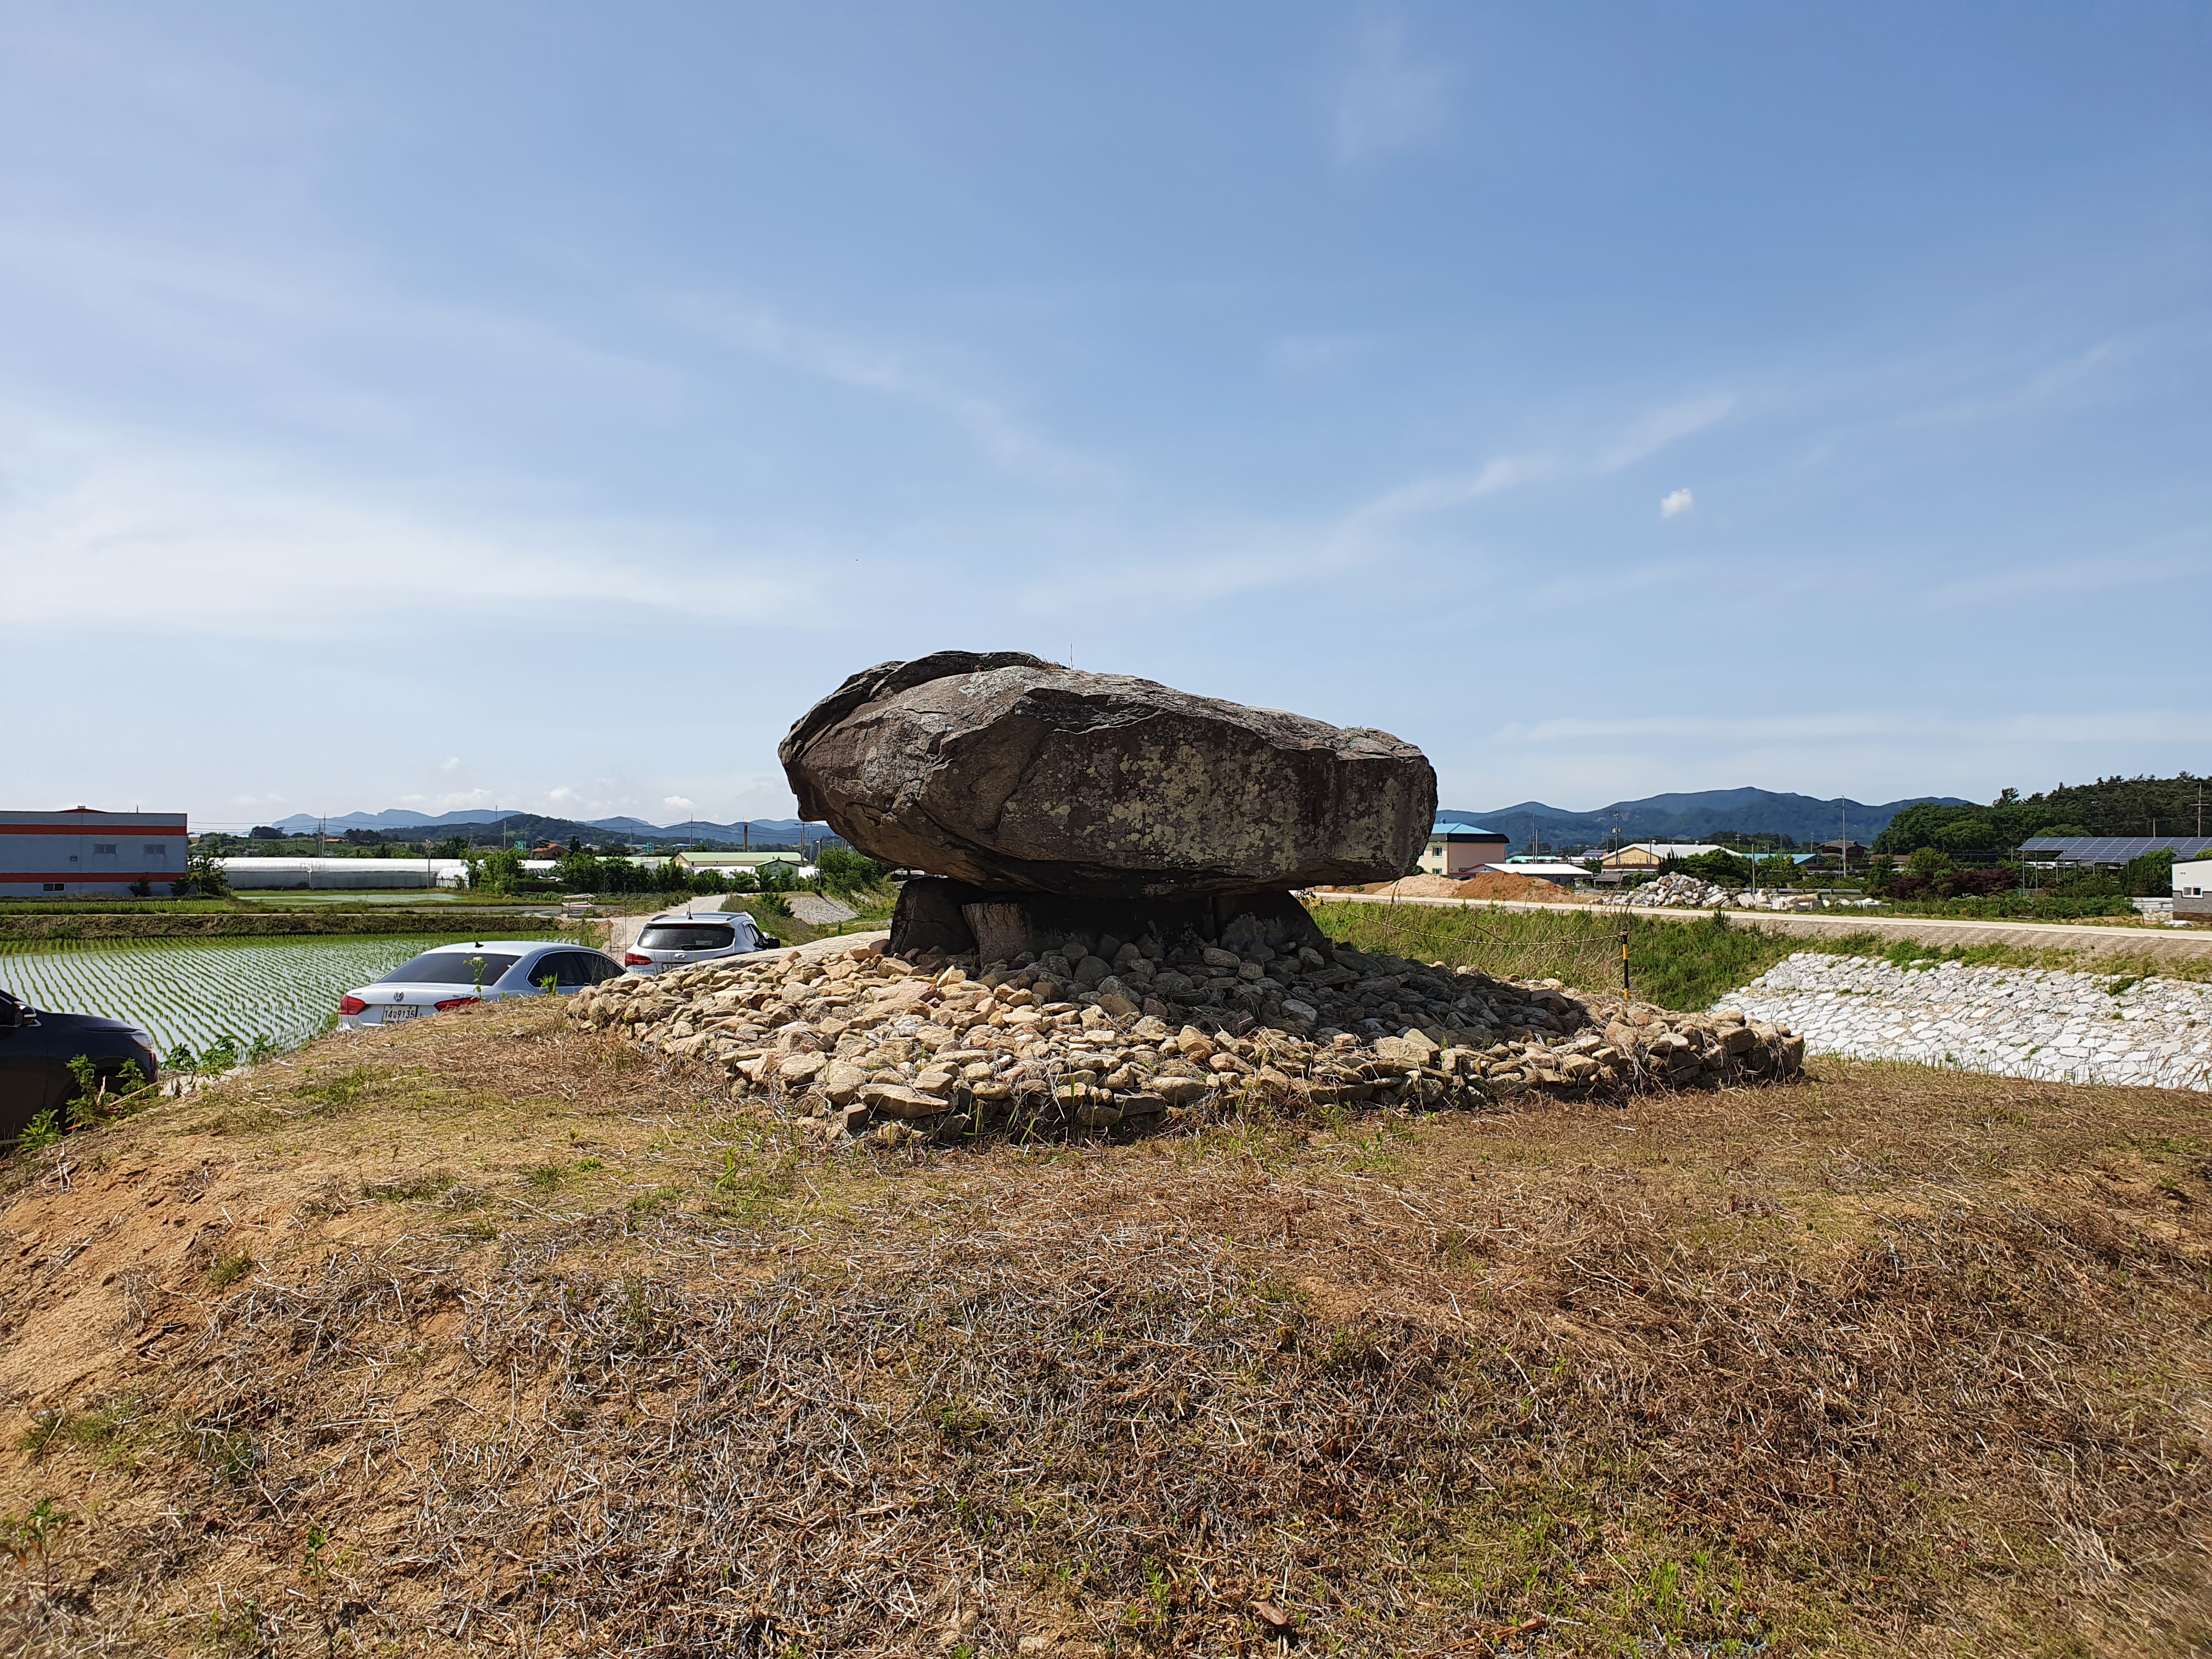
{"x":483,"y":1336}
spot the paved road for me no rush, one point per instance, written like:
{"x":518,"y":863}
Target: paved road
{"x":2174,"y":943}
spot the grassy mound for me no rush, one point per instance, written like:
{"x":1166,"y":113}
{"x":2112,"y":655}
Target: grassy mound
{"x":483,"y":1333}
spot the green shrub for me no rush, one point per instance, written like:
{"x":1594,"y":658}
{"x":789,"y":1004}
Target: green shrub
{"x":41,"y":1132}
{"x":2150,"y":876}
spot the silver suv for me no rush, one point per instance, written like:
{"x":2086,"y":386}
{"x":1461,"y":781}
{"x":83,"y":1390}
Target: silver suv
{"x":676,"y":938}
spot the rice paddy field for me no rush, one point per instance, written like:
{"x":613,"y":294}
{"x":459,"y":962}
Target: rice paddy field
{"x":194,"y":991}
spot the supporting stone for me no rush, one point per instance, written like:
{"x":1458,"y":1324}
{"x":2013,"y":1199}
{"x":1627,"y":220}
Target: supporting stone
{"x":953,"y":918}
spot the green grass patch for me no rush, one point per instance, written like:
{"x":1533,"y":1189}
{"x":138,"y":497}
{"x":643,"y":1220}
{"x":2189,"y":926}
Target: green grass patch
{"x":1686,"y":961}
{"x":114,"y":1432}
{"x":1677,"y":964}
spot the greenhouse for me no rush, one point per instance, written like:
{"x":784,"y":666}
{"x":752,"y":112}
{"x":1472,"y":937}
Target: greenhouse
{"x":321,"y":875}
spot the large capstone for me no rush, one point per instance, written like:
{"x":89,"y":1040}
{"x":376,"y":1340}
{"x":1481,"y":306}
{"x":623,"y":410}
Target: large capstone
{"x":1011,"y":774}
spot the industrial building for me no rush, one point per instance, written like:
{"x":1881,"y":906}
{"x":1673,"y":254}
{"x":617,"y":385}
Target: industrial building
{"x":79,"y":851}
{"x":340,"y":874}
{"x":1651,"y":854}
{"x":733,"y":864}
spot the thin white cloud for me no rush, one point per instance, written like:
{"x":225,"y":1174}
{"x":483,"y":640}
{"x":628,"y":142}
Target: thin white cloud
{"x":680,"y":804}
{"x":1675,"y":503}
{"x":1216,"y":561}
{"x":848,"y":361}
{"x":1435,"y":495}
{"x":1912,"y":726}
{"x":260,"y":317}
{"x":1666,"y":426}
{"x":203,"y":544}
{"x":451,"y":763}
{"x":2102,"y":572}
{"x":1389,"y":101}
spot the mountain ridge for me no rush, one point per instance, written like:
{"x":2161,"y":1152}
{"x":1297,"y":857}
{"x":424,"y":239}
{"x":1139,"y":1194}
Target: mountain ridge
{"x":1678,"y":816}
{"x":1694,"y":815}
{"x":770,"y":831}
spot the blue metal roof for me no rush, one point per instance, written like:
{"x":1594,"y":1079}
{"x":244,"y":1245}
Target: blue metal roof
{"x":1452,"y":827}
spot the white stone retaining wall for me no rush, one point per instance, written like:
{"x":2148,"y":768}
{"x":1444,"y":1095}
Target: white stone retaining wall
{"x":2014,"y":1022}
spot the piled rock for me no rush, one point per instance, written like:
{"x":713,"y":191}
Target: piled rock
{"x":1128,"y":1034}
{"x":2015,"y":1022}
{"x":1689,"y":893}
{"x":1677,"y":890}
{"x":1778,"y":898}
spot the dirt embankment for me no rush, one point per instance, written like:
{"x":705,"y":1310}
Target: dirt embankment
{"x":1490,"y":884}
{"x":484,"y":1334}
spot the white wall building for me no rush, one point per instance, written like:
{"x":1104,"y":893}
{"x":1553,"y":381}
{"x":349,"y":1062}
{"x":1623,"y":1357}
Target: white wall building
{"x":61,"y":855}
{"x":340,"y":875}
{"x":2192,"y":889}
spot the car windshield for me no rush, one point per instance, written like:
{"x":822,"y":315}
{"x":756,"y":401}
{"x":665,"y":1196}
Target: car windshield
{"x":686,"y":939}
{"x":450,"y":967}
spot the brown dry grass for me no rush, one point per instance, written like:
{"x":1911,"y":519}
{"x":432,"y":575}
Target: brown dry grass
{"x":481,"y":1335}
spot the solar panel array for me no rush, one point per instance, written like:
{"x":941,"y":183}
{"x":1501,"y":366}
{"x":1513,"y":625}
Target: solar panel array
{"x":2113,"y":849}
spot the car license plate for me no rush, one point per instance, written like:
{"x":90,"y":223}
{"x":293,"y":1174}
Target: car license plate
{"x":399,"y":1010}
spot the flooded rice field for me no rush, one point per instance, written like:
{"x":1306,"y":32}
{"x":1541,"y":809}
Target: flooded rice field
{"x":195,"y":992}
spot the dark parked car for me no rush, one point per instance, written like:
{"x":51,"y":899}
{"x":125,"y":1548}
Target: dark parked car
{"x":36,"y":1046}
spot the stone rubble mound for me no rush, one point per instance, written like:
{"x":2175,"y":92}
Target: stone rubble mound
{"x":1129,"y":1035}
{"x":1681,"y":891}
{"x":1766,"y":898}
{"x":2030,"y":1022}
{"x":1670,"y":892}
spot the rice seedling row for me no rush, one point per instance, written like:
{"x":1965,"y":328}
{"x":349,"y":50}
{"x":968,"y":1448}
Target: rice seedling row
{"x":194,"y":992}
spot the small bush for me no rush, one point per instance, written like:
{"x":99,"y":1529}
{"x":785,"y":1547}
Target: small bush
{"x":227,"y":1270}
{"x":41,"y":1132}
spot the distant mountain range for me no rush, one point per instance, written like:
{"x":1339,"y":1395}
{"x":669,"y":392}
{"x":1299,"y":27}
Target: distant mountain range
{"x":1692,"y":817}
{"x":1656,"y":817}
{"x":762,"y":832}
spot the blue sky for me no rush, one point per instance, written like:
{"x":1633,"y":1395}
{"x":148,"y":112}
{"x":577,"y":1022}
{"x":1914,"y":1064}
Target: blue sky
{"x":541,"y":405}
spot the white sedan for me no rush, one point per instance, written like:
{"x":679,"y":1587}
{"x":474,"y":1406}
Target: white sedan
{"x":454,"y":976}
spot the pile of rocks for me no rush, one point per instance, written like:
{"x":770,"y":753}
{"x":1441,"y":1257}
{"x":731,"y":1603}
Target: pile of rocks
{"x":1679,"y":891}
{"x":1128,"y":1034}
{"x":1672,"y":891}
{"x":2034,"y":1023}
{"x":1772,"y":898}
